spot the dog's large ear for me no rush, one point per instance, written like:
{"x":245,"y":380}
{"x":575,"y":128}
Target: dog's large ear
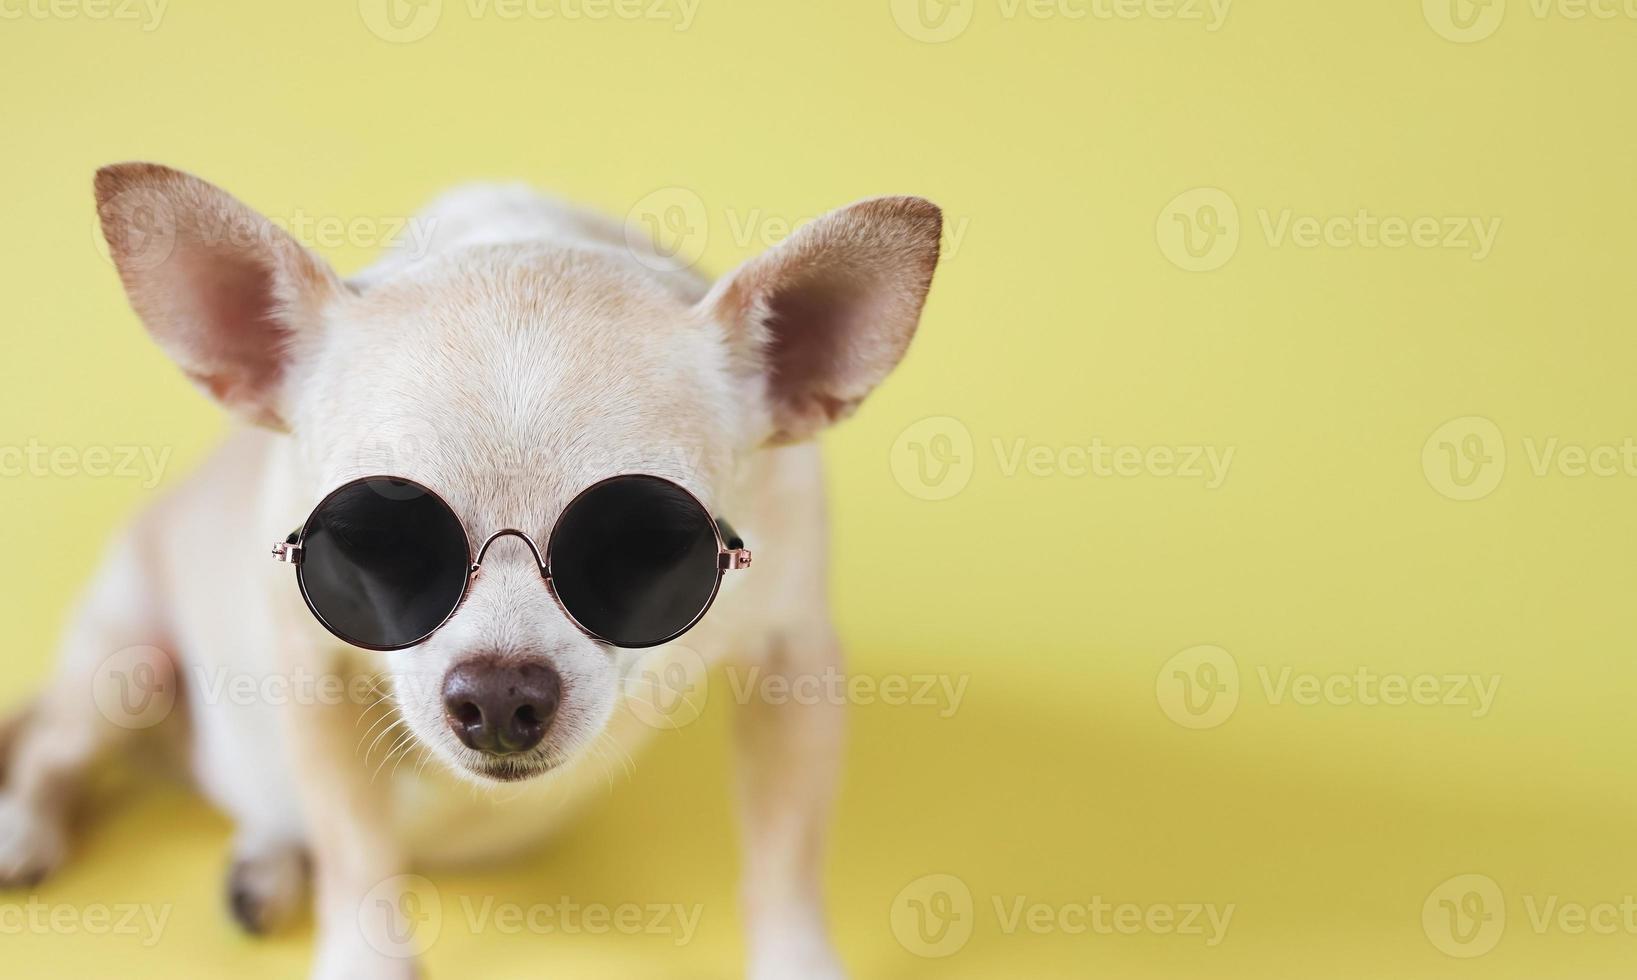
{"x":827,"y":314}
{"x":223,"y":290}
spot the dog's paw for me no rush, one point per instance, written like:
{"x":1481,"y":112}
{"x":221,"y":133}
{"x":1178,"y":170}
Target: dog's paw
{"x":32,"y":844}
{"x":265,"y":888}
{"x":819,"y":968}
{"x":796,"y":958}
{"x":351,"y":961}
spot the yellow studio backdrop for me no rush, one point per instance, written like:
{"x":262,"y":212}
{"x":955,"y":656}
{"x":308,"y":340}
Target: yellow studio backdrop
{"x":1256,"y":499}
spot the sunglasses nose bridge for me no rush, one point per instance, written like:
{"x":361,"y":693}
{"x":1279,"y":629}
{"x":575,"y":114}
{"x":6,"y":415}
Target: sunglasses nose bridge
{"x":509,"y":532}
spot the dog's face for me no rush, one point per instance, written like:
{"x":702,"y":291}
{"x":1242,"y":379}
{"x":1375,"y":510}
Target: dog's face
{"x":505,"y":378}
{"x":508,"y":378}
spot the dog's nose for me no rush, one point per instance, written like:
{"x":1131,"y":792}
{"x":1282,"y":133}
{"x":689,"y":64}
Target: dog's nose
{"x":501,"y":707}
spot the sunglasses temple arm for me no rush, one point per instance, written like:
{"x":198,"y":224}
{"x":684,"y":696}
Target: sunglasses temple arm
{"x":730,"y":537}
{"x":289,"y":550}
{"x":734,"y":553}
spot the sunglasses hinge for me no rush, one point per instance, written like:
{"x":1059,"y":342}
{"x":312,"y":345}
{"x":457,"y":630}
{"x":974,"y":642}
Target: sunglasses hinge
{"x":734,"y":559}
{"x":287,"y":552}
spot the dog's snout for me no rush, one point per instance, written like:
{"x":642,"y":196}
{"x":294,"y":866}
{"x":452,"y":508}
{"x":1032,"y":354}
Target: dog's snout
{"x":501,"y":707}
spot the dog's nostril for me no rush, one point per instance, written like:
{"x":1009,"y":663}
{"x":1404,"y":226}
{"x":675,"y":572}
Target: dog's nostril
{"x":526,"y":730}
{"x":501,"y":707}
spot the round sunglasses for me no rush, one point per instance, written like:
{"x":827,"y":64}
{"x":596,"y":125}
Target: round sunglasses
{"x":633,"y":561}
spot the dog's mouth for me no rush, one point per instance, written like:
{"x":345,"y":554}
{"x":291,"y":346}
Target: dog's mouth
{"x":510,"y":770}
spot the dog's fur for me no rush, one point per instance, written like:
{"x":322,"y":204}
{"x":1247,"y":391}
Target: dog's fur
{"x":531,"y":351}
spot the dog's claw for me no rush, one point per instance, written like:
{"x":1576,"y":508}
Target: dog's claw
{"x":264,"y":891}
{"x":246,"y":907}
{"x":32,"y":844}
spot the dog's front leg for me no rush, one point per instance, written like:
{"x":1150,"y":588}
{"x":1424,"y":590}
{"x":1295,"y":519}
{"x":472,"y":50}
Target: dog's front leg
{"x":789,"y":761}
{"x":362,"y":931}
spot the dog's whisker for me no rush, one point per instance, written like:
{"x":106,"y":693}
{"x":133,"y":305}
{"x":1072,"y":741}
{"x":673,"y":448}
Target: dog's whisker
{"x":606,"y":759}
{"x":367,"y":709}
{"x":401,"y":757}
{"x":600,"y":748}
{"x":396,"y":721}
{"x":672,"y":725}
{"x":396,"y":758}
{"x":375,"y":689}
{"x":386,"y":715}
{"x":391,"y":747}
{"x":426,"y":759}
{"x":405,"y":739}
{"x":605,"y":738}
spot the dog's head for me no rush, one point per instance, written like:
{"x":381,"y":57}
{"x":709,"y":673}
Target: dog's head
{"x":509,"y":377}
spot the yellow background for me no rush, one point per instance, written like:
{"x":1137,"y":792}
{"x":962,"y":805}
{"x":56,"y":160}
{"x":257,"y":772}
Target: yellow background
{"x":1056,"y":145}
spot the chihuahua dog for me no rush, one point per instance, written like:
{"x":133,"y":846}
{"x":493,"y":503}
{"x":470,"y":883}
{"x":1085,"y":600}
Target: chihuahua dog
{"x":528,"y":352}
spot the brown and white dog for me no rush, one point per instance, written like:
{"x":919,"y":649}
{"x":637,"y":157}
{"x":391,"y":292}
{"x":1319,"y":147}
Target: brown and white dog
{"x":531,"y":350}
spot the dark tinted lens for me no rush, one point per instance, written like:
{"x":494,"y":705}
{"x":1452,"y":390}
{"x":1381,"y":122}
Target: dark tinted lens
{"x":383,"y":563}
{"x":634,"y":560}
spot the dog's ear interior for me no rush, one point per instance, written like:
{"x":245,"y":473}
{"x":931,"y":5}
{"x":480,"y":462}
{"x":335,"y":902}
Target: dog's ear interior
{"x":223,"y":290}
{"x":826,"y":315}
